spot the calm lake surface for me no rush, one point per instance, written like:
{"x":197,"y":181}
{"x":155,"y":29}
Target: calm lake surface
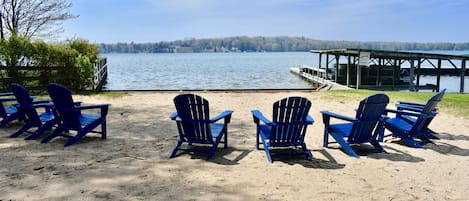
{"x":191,"y":71}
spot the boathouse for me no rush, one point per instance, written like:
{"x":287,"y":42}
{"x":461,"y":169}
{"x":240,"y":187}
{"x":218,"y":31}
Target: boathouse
{"x":384,"y":70}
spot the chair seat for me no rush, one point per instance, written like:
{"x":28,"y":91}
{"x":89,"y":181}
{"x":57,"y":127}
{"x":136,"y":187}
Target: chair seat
{"x":217,"y":130}
{"x":11,"y":110}
{"x":342,"y":129}
{"x":399,"y":124}
{"x":46,"y":116}
{"x":265,"y":131}
{"x":408,"y":118}
{"x":87,"y":119}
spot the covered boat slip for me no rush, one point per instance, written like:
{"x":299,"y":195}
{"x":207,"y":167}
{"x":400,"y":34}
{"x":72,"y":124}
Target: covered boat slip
{"x":384,"y":70}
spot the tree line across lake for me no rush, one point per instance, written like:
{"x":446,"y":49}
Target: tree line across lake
{"x":269,"y":44}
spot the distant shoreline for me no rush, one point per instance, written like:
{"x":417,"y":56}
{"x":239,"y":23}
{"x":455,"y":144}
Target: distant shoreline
{"x":270,"y":44}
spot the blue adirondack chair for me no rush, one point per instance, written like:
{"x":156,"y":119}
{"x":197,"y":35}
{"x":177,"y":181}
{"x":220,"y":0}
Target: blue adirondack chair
{"x":364,"y":128}
{"x":69,"y":116}
{"x":8,"y":113}
{"x":287,"y":128}
{"x":195,"y":126}
{"x":409,"y":124}
{"x":418,"y":107}
{"x":29,"y":115}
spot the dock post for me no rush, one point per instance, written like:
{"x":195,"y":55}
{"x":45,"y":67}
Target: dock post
{"x":348,"y":70}
{"x":411,"y":75}
{"x":394,"y":74}
{"x":336,"y":67}
{"x":378,"y":72}
{"x":463,"y":72}
{"x":438,"y":77}
{"x":327,"y":66}
{"x":419,"y":64}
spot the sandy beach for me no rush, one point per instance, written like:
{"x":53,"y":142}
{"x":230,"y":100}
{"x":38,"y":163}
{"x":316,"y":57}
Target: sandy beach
{"x":133,"y":163}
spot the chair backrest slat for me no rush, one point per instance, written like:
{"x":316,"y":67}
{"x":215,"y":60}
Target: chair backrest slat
{"x":427,"y":113}
{"x":368,"y":115}
{"x":27,"y":109}
{"x":195,"y":117}
{"x":64,"y":107}
{"x":289,"y":117}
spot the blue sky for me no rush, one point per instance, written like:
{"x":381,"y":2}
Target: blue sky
{"x":111,"y":21}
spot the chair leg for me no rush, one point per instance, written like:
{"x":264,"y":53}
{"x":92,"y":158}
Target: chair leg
{"x":103,"y":129}
{"x":226,"y":137}
{"x":40,"y":130}
{"x":326,"y":138}
{"x":411,"y":142}
{"x":308,"y":154}
{"x":175,"y":149}
{"x":75,"y":138}
{"x":345,"y":146}
{"x":21,"y":130}
{"x":54,"y":134}
{"x":257,"y":138}
{"x":212,"y":151}
{"x":377,"y":146}
{"x":267,"y":152}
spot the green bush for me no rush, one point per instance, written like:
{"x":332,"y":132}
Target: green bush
{"x":76,"y":57}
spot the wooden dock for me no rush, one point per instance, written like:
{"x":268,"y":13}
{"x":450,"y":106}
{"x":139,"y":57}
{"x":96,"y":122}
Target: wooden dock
{"x":316,"y":76}
{"x":382,"y":70}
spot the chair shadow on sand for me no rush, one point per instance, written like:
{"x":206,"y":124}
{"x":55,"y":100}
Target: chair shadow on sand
{"x":228,"y":156}
{"x":440,"y":146}
{"x":316,"y":163}
{"x":446,"y":148}
{"x":395,"y":155}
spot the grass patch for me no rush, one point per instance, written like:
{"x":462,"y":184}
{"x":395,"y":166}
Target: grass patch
{"x":113,"y":94}
{"x":452,"y":103}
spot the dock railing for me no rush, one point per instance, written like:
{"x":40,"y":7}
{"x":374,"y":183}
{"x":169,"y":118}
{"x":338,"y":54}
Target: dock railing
{"x":317,"y":76}
{"x":100,"y":74}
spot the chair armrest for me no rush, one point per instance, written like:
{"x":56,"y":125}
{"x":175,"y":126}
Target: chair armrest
{"x":409,"y":108}
{"x":46,"y":104}
{"x":402,"y":112}
{"x":6,"y":94}
{"x":104,"y":108}
{"x":412,"y":107}
{"x":411,"y":104}
{"x":257,"y":115}
{"x":7,"y":99}
{"x":173,"y":116}
{"x":86,"y":107}
{"x":41,"y":101}
{"x":327,"y":114}
{"x":226,"y":115}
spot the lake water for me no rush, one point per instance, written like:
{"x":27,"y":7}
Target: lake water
{"x":196,"y":71}
{"x":205,"y":71}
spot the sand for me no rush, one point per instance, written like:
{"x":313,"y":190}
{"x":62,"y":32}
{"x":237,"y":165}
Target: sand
{"x":133,"y":163}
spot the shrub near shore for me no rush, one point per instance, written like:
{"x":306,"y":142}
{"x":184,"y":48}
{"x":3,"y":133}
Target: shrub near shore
{"x":77,"y":54}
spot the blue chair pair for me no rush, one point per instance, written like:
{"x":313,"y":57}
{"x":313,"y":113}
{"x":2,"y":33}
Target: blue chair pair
{"x":287,"y":129}
{"x":411,"y":121}
{"x":62,"y":113}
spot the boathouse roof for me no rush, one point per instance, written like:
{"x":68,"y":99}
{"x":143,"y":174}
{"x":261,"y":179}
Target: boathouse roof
{"x":386,"y":54}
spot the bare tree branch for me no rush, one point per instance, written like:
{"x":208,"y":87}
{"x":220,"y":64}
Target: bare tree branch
{"x":33,"y":18}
